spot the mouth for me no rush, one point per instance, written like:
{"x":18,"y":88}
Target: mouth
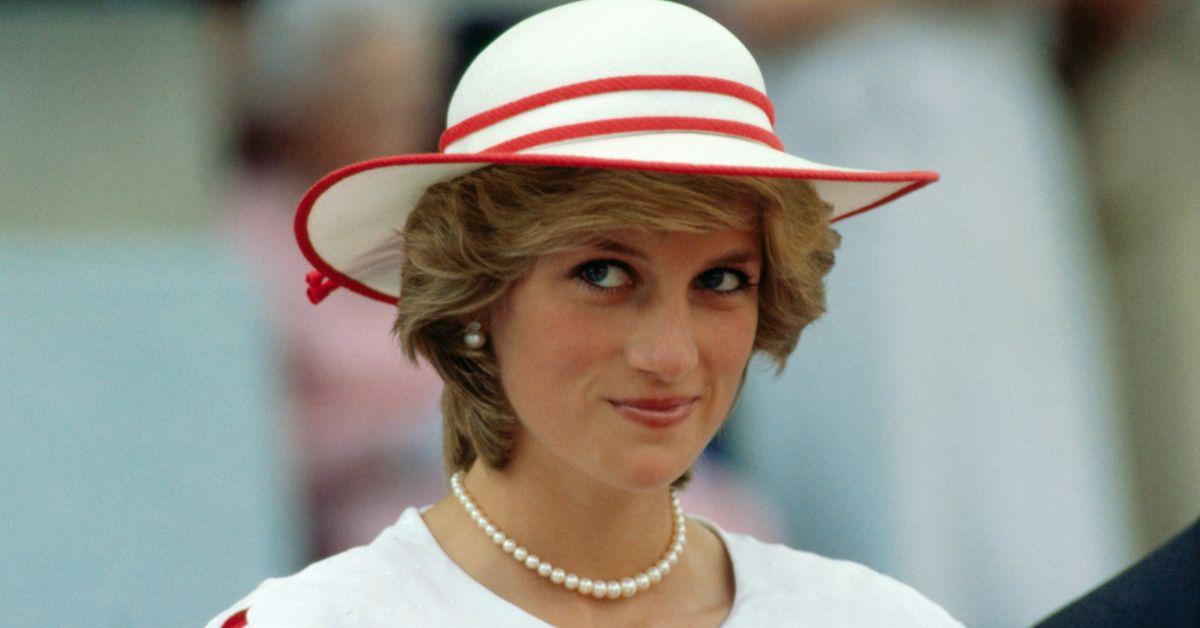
{"x":655,"y":413}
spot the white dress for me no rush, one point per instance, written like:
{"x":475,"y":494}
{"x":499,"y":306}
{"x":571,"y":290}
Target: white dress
{"x":404,"y":578}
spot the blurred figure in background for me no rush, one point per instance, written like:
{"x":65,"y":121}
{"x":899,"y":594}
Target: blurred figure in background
{"x":139,"y":410}
{"x":329,"y":83}
{"x":972,"y":365}
{"x":1139,"y":96}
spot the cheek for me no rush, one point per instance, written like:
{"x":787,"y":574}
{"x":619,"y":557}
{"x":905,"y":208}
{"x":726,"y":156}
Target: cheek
{"x":742,"y":324}
{"x":552,"y":358}
{"x":731,"y":348}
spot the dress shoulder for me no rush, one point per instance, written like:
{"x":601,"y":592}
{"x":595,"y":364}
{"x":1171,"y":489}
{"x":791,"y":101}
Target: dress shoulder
{"x":280,"y":603}
{"x":362,"y":586}
{"x":776,"y":581}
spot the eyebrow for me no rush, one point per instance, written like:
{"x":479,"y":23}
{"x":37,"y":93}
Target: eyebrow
{"x":737,"y":257}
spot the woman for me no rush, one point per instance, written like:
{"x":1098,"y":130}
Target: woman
{"x":590,"y":289}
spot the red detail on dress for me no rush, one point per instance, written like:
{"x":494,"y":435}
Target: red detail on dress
{"x":666,"y":82}
{"x":629,"y":125}
{"x":237,"y":620}
{"x":319,"y":286}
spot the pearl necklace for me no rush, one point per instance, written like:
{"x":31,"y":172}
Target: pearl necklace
{"x":598,"y":589}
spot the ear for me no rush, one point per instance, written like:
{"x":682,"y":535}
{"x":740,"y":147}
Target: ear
{"x":494,"y":312}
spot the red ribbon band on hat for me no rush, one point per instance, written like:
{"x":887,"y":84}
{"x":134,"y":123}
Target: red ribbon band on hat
{"x":675,"y":82}
{"x":320,"y":285}
{"x":629,"y":125}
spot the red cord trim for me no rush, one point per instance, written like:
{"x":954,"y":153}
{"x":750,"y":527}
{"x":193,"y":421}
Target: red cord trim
{"x":237,"y":620}
{"x":319,"y":286}
{"x":679,"y":82}
{"x":627,"y":125}
{"x":916,"y":178}
{"x":916,"y":185}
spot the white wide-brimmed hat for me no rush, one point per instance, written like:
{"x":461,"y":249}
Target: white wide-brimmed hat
{"x":630,"y":84}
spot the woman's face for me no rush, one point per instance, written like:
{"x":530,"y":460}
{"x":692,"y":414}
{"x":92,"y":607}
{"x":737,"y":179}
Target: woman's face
{"x":622,"y":358}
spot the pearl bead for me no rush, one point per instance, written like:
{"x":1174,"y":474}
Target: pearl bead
{"x":557,"y":576}
{"x":664,"y":567}
{"x":614,"y":590}
{"x":520,"y":553}
{"x":532,"y":562}
{"x":677,"y":548}
{"x":628,"y":587}
{"x":571,"y":581}
{"x":643,"y":581}
{"x":654,"y":575}
{"x":509,"y":546}
{"x":585,"y":586}
{"x":490,"y":530}
{"x":544,"y":569}
{"x":599,"y":589}
{"x":672,"y":558}
{"x":498,"y":538}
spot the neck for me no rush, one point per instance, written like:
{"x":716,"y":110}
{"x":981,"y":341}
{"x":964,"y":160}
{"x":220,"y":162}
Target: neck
{"x":585,"y":526}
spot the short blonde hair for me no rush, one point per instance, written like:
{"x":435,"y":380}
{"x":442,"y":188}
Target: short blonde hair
{"x":471,"y":238}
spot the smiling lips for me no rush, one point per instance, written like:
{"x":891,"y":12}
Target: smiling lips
{"x":655,"y":413}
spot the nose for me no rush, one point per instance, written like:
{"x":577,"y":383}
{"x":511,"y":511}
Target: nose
{"x":662,"y":342}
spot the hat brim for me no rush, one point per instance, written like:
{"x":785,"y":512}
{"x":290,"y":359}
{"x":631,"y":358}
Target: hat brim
{"x":349,"y":223}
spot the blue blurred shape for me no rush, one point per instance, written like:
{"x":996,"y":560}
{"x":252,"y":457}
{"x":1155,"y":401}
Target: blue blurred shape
{"x":142,"y":481}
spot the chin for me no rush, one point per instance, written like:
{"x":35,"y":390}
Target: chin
{"x":649,"y":475}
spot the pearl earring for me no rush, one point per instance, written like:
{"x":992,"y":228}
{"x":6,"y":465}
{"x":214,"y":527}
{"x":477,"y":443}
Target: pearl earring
{"x":474,"y":338}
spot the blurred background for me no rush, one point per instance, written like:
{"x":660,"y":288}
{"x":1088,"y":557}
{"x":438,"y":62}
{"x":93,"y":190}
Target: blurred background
{"x":1002,"y":408}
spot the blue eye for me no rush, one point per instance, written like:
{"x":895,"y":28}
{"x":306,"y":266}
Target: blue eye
{"x":603,"y":275}
{"x":725,"y":280}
